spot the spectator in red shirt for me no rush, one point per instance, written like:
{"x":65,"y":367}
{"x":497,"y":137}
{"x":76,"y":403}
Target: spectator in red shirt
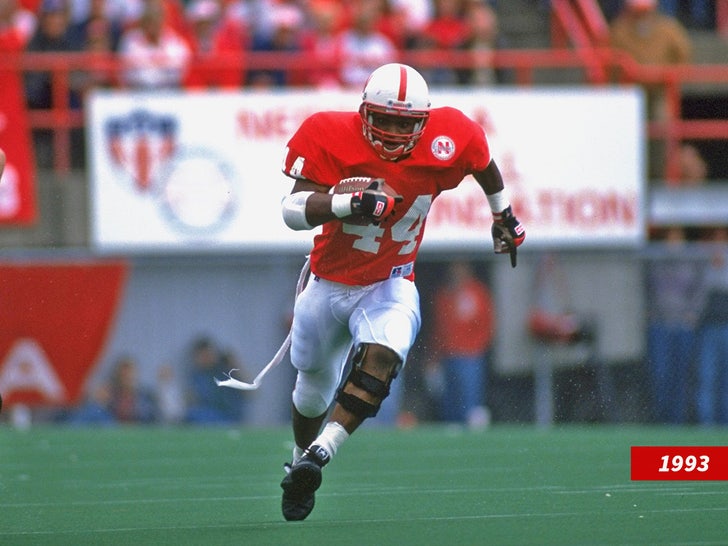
{"x":463,"y":334}
{"x":448,"y":30}
{"x":393,"y":23}
{"x":213,"y":37}
{"x":321,"y":44}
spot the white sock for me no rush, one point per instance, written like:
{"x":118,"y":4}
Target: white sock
{"x":331,"y":437}
{"x":297,"y":454}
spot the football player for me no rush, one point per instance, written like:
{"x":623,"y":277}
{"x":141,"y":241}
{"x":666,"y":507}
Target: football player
{"x":369,"y":179}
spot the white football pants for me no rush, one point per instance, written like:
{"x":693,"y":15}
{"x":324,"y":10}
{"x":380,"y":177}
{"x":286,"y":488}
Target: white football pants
{"x":330,"y":318}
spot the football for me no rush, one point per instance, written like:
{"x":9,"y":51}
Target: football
{"x":360,"y":183}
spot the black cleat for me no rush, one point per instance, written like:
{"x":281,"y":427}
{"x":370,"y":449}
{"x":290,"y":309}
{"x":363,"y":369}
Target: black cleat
{"x":301,"y":482}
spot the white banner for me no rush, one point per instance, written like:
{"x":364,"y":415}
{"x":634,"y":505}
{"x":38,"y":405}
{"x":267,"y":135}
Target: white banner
{"x":201,"y":171}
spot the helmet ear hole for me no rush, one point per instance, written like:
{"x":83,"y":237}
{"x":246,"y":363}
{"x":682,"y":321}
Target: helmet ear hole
{"x":394,"y":90}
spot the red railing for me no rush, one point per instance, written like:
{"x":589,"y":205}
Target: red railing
{"x":579,"y":21}
{"x":525,"y":64}
{"x":581,"y":24}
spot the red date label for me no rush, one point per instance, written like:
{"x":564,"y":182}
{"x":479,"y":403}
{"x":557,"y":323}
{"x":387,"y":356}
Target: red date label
{"x":679,"y":462}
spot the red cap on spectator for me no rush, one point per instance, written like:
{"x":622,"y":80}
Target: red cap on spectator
{"x":642,"y":5}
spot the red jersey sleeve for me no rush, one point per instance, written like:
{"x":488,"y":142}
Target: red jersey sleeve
{"x":314,"y":152}
{"x":456,"y":142}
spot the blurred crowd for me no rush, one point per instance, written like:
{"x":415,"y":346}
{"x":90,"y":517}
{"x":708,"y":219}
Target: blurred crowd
{"x":206,"y":44}
{"x":171,"y":43}
{"x":694,"y":14}
{"x":174,"y":43}
{"x":193,"y":44}
{"x":687,"y":340}
{"x":182,"y":393}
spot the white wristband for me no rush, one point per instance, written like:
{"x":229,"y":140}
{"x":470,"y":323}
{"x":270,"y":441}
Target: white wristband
{"x":341,"y":205}
{"x":498,"y":201}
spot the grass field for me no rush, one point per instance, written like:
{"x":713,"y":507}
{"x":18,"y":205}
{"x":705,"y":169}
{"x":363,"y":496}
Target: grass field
{"x":511,"y":485}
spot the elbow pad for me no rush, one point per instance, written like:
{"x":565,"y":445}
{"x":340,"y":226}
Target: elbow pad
{"x":294,"y":210}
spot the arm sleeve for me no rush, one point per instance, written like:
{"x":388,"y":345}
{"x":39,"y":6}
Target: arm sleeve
{"x":306,"y":155}
{"x":476,"y":153}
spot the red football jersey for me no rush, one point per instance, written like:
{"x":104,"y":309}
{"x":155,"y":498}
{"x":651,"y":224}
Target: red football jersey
{"x":330,"y":146}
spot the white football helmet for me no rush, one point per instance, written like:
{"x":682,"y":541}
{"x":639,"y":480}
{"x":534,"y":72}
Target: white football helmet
{"x":394,"y":90}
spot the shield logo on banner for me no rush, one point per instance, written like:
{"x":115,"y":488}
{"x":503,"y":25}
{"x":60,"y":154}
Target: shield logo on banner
{"x":141,"y":143}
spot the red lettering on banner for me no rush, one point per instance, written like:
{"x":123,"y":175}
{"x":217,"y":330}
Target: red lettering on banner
{"x":591,"y":208}
{"x":544,"y":208}
{"x":266,"y":124}
{"x":481,"y":116}
{"x":583,"y":209}
{"x":269,"y":123}
{"x":508,"y":169}
{"x":470,"y":211}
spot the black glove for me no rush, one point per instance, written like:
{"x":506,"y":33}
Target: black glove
{"x":508,"y":233}
{"x":374,"y":202}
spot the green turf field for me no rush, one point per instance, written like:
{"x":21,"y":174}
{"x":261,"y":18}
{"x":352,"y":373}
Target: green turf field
{"x":426,"y":486}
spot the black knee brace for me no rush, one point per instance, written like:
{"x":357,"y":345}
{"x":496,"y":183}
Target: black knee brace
{"x":367,"y":382}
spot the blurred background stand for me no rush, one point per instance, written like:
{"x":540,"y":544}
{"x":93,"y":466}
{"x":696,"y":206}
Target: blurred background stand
{"x":561,"y":337}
